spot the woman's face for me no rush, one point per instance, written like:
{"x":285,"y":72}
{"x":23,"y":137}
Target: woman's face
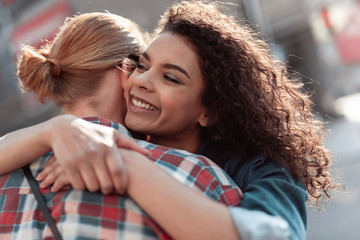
{"x":164,"y":94}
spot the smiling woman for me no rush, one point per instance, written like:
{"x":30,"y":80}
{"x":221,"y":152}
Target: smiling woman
{"x":218,"y":92}
{"x":164,"y":94}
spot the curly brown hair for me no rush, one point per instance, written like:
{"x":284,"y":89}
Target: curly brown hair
{"x":254,"y":103}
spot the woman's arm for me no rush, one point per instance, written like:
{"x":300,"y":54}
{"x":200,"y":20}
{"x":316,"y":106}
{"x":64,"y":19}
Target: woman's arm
{"x":23,"y":146}
{"x":87,"y":151}
{"x":181,"y":211}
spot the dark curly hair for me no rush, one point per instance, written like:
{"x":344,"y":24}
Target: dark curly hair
{"x":254,"y":103}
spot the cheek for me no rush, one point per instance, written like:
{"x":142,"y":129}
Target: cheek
{"x":174,"y":101}
{"x":127,"y":83}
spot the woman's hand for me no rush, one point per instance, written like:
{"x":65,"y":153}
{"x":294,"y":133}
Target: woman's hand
{"x":88,"y":154}
{"x":53,"y":174}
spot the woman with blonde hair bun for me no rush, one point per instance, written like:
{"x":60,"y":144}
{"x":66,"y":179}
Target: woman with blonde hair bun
{"x":73,"y":64}
{"x":88,"y":54}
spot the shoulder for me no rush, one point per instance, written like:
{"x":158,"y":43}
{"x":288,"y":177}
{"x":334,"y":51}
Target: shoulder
{"x":109,"y":123}
{"x":196,"y":171}
{"x":246,"y":170}
{"x":268,"y":187}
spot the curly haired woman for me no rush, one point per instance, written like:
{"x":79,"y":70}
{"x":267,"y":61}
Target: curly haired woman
{"x":259,"y":125}
{"x":208,"y":84}
{"x":253,"y":103}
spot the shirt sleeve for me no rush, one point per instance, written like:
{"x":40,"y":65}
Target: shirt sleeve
{"x":197,"y":172}
{"x":256,"y":225}
{"x":270,"y":190}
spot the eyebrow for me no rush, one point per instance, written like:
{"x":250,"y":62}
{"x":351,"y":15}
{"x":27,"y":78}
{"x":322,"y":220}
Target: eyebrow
{"x":168,"y":65}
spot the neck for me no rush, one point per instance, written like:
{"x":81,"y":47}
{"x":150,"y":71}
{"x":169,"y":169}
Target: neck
{"x":107,"y":101}
{"x":189,"y":144}
{"x":85,"y":109}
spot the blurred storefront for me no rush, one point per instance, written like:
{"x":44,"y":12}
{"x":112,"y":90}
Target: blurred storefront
{"x":317,"y":38}
{"x":320,"y":39}
{"x":336,"y":29}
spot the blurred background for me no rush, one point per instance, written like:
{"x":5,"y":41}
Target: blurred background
{"x":320,"y":39}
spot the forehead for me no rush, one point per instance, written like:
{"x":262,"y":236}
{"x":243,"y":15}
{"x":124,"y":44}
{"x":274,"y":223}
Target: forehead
{"x":173,"y":48}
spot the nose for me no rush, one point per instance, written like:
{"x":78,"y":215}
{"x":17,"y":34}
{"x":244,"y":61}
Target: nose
{"x":144,"y":81}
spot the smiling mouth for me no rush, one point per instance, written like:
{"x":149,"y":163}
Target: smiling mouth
{"x":143,"y":105}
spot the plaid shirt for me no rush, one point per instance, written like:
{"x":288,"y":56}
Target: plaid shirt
{"x":86,"y":215}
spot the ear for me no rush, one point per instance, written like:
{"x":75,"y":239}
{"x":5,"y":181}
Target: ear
{"x":204,"y":120}
{"x":124,"y":76}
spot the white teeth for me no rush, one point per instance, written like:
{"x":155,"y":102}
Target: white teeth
{"x":143,"y":105}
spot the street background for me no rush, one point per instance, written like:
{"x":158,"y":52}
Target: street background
{"x":318,"y":38}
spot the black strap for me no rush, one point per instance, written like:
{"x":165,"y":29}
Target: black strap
{"x":41,"y":202}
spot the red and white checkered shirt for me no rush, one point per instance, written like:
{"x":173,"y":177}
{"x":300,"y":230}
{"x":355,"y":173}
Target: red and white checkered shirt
{"x":86,"y":215}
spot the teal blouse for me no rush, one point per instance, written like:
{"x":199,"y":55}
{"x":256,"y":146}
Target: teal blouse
{"x":274,"y":204}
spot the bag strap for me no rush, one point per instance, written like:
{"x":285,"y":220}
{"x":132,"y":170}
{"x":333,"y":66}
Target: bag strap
{"x":41,"y":202}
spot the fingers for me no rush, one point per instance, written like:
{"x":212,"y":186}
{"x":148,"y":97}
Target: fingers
{"x":88,"y":156}
{"x":60,"y":183}
{"x":103,"y":175}
{"x":117,"y":171}
{"x":49,"y":174}
{"x":129,"y":143}
{"x":74,"y":174}
{"x":93,"y":173}
{"x":89,"y":176}
{"x":49,"y":167}
{"x":54,"y":175}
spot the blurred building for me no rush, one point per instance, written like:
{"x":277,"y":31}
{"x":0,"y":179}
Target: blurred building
{"x":314,"y":37}
{"x":30,"y":22}
{"x":318,"y":38}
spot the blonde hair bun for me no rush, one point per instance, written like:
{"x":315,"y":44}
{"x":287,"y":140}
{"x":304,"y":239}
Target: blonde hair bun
{"x":35,"y":72}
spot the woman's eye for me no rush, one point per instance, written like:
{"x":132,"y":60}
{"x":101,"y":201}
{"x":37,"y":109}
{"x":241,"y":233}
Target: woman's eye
{"x":171,"y":79}
{"x":141,"y":66}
